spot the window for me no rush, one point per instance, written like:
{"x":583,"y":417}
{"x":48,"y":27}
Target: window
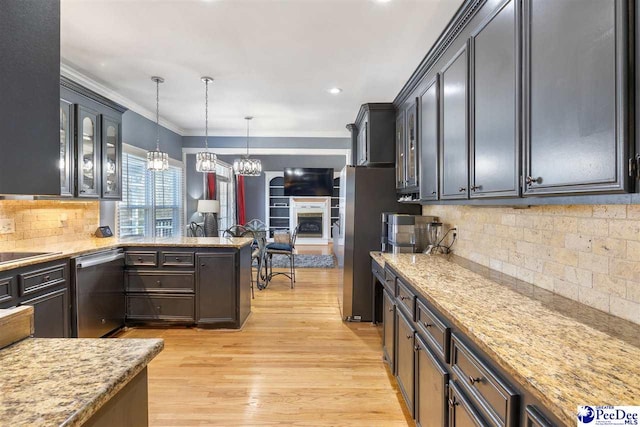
{"x":151,"y":203}
{"x":226,"y":195}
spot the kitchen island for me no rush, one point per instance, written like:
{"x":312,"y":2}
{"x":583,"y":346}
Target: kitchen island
{"x":536,"y":352}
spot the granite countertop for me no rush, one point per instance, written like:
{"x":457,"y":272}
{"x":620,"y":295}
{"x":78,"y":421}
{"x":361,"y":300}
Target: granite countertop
{"x":52,"y":381}
{"x":563,"y":352}
{"x":82,"y":247}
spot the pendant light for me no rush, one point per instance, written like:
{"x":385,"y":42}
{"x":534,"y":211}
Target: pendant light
{"x":157,"y":161}
{"x":245,"y":166}
{"x":205,"y":160}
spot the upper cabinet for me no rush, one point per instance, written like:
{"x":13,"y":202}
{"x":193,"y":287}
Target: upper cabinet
{"x":429,"y":136}
{"x":29,"y":100}
{"x":401,"y":181}
{"x":373,"y":134}
{"x":411,"y":145}
{"x":494,"y":138}
{"x":90,"y":144}
{"x":454,"y":175}
{"x":575,"y":96}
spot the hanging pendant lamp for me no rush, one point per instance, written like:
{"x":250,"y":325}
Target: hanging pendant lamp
{"x":245,"y":166}
{"x":205,"y":160}
{"x":157,"y":161}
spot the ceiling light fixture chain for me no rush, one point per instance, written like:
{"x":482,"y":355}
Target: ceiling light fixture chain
{"x":206,"y":161}
{"x":245,"y":166}
{"x":157,"y":161}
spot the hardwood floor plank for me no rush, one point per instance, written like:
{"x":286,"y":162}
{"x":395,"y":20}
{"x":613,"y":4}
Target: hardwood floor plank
{"x":295,"y":363}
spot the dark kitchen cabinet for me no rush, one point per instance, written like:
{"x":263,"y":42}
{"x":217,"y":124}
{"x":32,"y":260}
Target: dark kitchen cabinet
{"x":405,"y":358}
{"x":411,"y":146}
{"x":494,"y":136}
{"x":51,"y":313}
{"x":87,"y":152}
{"x":429,"y":140}
{"x":111,"y":158}
{"x":575,"y":96}
{"x":216,"y":288}
{"x":454,"y":124}
{"x":66,"y":161}
{"x":29,"y":101}
{"x":401,"y":182}
{"x":534,"y":418}
{"x":461,"y":411}
{"x":373,"y":133}
{"x":431,"y":383}
{"x":389,"y":329}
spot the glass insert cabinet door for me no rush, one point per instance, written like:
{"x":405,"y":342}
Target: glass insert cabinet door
{"x":111,"y":170}
{"x":66,"y":148}
{"x":87,"y":152}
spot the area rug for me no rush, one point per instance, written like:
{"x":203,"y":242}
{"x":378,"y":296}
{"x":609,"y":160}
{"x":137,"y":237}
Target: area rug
{"x":305,"y":261}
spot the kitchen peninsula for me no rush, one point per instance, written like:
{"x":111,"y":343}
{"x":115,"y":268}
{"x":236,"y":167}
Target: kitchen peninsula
{"x":505,"y":349}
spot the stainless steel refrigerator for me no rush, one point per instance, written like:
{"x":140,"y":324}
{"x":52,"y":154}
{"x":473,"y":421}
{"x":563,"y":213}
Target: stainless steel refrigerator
{"x":366,"y":192}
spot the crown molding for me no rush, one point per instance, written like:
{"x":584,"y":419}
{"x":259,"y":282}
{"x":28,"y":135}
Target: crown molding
{"x":89,"y":83}
{"x":274,"y":151}
{"x":267,"y":134}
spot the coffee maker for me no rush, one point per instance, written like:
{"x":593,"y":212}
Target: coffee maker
{"x":402,"y":233}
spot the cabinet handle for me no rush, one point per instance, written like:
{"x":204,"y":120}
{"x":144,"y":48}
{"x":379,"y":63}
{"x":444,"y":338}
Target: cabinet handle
{"x":46,"y":278}
{"x":103,"y":321}
{"x":417,"y":348}
{"x":531,"y":180}
{"x":452,"y":402}
{"x":402,"y":297}
{"x":82,"y":191}
{"x":202,"y":265}
{"x":159,"y":308}
{"x":390,"y":309}
{"x":474,"y":380}
{"x":462,"y":189}
{"x":409,"y":336}
{"x":159,"y":283}
{"x":140,"y":259}
{"x":178,"y":259}
{"x":434,"y":193}
{"x":475,"y":188}
{"x":427,"y":325}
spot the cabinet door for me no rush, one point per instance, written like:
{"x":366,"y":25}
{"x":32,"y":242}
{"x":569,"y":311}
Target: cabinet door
{"x":400,"y":153}
{"x":575,"y":61}
{"x":461,"y":412}
{"x":405,"y":359}
{"x":362,"y":143}
{"x":429,"y":140}
{"x":111,"y":158}
{"x":454,"y":159}
{"x":431,"y":387}
{"x":534,"y":418}
{"x":411,"y":150}
{"x":216,"y":289}
{"x":51,"y":314}
{"x":389,"y":330}
{"x":494,"y":137}
{"x":87,"y":152}
{"x":66,"y":149}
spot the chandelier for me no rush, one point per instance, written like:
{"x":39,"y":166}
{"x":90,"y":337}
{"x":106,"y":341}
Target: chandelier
{"x":157,"y":161}
{"x":245,"y":166}
{"x":205,"y":160}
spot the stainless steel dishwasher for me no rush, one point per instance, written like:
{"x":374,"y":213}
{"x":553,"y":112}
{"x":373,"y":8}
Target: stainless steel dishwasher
{"x":99,"y":300}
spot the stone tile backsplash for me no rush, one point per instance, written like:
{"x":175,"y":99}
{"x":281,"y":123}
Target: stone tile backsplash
{"x":40,"y":222}
{"x":589,"y":253}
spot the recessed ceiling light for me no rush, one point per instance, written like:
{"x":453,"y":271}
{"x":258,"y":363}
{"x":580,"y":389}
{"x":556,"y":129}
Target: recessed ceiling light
{"x":335,"y":90}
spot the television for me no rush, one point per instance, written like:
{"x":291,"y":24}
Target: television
{"x":308,"y":182}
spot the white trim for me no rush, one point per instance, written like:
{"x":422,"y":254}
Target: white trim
{"x":270,"y":133}
{"x":141,"y":152}
{"x":91,"y":84}
{"x":275,"y":151}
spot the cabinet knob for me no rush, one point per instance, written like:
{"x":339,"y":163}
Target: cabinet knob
{"x":409,"y":336}
{"x":202,"y":265}
{"x":416,"y":348}
{"x":473,"y":380}
{"x":402,"y":298}
{"x":159,"y":283}
{"x":159,"y":308}
{"x":82,"y":191}
{"x":140,"y":259}
{"x":178,"y":259}
{"x":452,"y":402}
{"x":434,"y":193}
{"x":390,"y":309}
{"x":46,"y":278}
{"x":476,"y":187}
{"x":103,"y":321}
{"x":462,"y":189}
{"x":427,"y":325}
{"x":531,"y":180}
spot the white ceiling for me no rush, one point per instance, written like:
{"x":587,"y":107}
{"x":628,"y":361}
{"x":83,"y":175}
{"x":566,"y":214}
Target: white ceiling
{"x":273,"y":59}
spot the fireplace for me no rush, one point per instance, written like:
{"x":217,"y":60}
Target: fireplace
{"x":310,"y":224}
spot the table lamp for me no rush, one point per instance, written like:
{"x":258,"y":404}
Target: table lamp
{"x":209,"y":209}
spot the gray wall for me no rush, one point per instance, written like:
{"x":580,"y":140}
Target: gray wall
{"x":254,"y":186}
{"x":141,"y":132}
{"x":266,"y":142}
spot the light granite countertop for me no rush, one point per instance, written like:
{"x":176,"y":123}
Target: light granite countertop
{"x":63,"y":382}
{"x":564,"y":353}
{"x":82,"y":247}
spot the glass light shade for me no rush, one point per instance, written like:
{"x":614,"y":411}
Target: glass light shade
{"x":247,"y":167}
{"x":206,"y":162}
{"x":157,"y":161}
{"x":208,"y":206}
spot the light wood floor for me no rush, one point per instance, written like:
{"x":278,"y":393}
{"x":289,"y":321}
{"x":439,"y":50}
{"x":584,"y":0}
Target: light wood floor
{"x":294,"y":363}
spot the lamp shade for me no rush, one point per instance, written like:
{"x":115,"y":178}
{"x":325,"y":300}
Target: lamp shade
{"x":208,"y":206}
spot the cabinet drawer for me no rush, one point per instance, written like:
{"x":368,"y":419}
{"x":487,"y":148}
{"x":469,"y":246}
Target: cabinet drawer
{"x":177,"y":259}
{"x":136,"y":258}
{"x":160,"y":281}
{"x":493,"y":396}
{"x":38,"y":280}
{"x":406,"y":299}
{"x":6,"y":289}
{"x":434,"y":330}
{"x":161,"y":307}
{"x":389,"y":282}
